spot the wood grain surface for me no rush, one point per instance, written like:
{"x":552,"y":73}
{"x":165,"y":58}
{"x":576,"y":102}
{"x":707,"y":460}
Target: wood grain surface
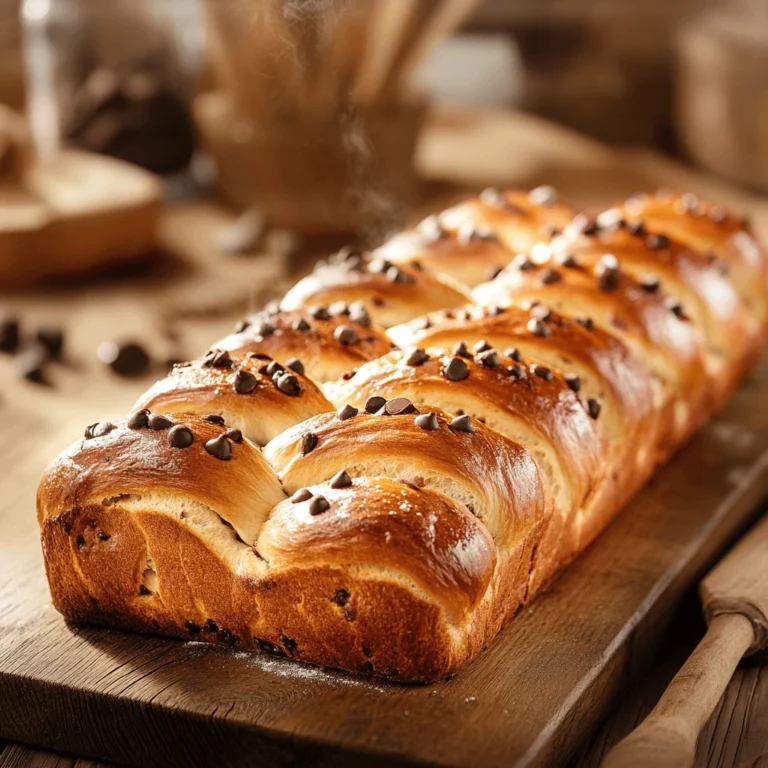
{"x":531,"y":698}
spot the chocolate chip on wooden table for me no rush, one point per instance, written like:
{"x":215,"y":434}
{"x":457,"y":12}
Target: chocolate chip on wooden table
{"x":53,"y":341}
{"x":138,"y":419}
{"x":244,"y":382}
{"x":180,"y":437}
{"x":235,"y":435}
{"x":461,"y":424}
{"x":219,"y":448}
{"x":124,"y":358}
{"x":10,"y":336}
{"x":99,"y":429}
{"x":303,"y":494}
{"x":158,"y":421}
{"x":347,"y":412}
{"x":341,"y":480}
{"x":295,"y":365}
{"x":427,"y":421}
{"x":318,"y":505}
{"x":455,"y":369}
{"x":346,"y":335}
{"x":214,"y":418}
{"x":308,"y":442}
{"x":374,"y":403}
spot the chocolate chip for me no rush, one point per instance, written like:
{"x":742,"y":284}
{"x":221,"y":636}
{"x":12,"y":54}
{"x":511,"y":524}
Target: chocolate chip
{"x":589,"y":227}
{"x":427,"y":421}
{"x":515,"y":371}
{"x":585,"y":322}
{"x":544,"y":195}
{"x":523,"y":262}
{"x":568,"y":261}
{"x":608,"y":273}
{"x":538,"y":327}
{"x":341,"y":480}
{"x":139,"y":419}
{"x":300,"y":324}
{"x":242,"y":325}
{"x":289,"y":643}
{"x":303,"y":494}
{"x":411,"y":485}
{"x":158,"y":421}
{"x":593,"y":408}
{"x":455,"y":370}
{"x":493,"y":310}
{"x":144,"y":591}
{"x":235,"y":435}
{"x":273,"y":368}
{"x":543,"y":372}
{"x":461,"y":424}
{"x":219,"y":448}
{"x":318,"y":505}
{"x":245,"y":382}
{"x":346,"y":335}
{"x":295,"y":365}
{"x":125,"y":359}
{"x":395,"y":275}
{"x":422,"y":324}
{"x":375,"y":403}
{"x":379,"y":266}
{"x":264,"y":329}
{"x":30,"y":363}
{"x":288,"y":384}
{"x":10,"y":336}
{"x":191,"y":627}
{"x":481,"y":346}
{"x":214,"y":418}
{"x":573,"y":381}
{"x":494,"y":272}
{"x":650,"y":283}
{"x":489,"y":359}
{"x":676,"y":308}
{"x":540,"y":312}
{"x":398,"y":406}
{"x":432,"y":229}
{"x":180,"y":437}
{"x":339,"y":308}
{"x":52,"y":340}
{"x":416,"y":356}
{"x":308,"y":443}
{"x":637,"y":228}
{"x":347,"y":375}
{"x":99,"y":429}
{"x":513,"y":353}
{"x":550,"y":276}
{"x":319,"y":313}
{"x":218,"y":358}
{"x":340,"y":597}
{"x":347,"y":412}
{"x":657,"y":242}
{"x":359,"y":314}
{"x":212,"y":626}
{"x":461,"y":350}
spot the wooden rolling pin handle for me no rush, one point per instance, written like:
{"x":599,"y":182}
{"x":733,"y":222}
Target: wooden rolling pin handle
{"x":667,"y":738}
{"x":725,"y":607}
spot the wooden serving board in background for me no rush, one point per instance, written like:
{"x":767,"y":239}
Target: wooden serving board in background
{"x":530,"y":699}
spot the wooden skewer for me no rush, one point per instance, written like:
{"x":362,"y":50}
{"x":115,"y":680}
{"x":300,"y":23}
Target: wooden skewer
{"x":735,"y":599}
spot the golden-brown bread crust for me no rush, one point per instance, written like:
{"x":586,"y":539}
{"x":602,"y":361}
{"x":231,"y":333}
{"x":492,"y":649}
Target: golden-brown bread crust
{"x":329,"y":341}
{"x":391,"y":293}
{"x":476,"y":238}
{"x":181,"y":527}
{"x":257,"y":395}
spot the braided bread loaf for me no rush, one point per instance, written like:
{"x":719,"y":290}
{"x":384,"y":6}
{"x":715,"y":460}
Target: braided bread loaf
{"x":383,"y":501}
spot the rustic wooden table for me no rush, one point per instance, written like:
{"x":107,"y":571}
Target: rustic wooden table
{"x":190,"y":293}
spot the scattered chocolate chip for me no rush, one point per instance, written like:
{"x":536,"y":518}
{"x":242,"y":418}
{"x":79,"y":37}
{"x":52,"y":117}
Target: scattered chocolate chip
{"x":650,"y":283}
{"x":494,"y":272}
{"x":308,"y":443}
{"x":212,"y":626}
{"x":608,"y":273}
{"x":219,"y":448}
{"x":244,"y":382}
{"x":432,"y":229}
{"x":339,"y":308}
{"x":139,"y":419}
{"x":515,"y":371}
{"x":416,"y":356}
{"x":373,"y":404}
{"x":144,"y":591}
{"x":489,"y":359}
{"x":568,"y":261}
{"x":589,"y":227}
{"x":340,"y":597}
{"x":30,"y":362}
{"x":80,"y":541}
{"x":455,"y":369}
{"x":318,"y":505}
{"x":422,"y":324}
{"x":214,"y":418}
{"x":347,"y":375}
{"x":676,"y":308}
{"x":52,"y":340}
{"x":288,"y":384}
{"x":540,"y":312}
{"x":538,"y":327}
{"x":395,"y":275}
{"x":411,"y":485}
{"x":513,"y":353}
{"x":347,"y":412}
{"x":573,"y":381}
{"x":303,"y":494}
{"x":461,"y":424}
{"x":242,"y":325}
{"x":319,"y":313}
{"x":543,"y":372}
{"x":273,"y":368}
{"x":295,"y":365}
{"x":427,"y":421}
{"x":637,"y":228}
{"x":398,"y":406}
{"x":191,"y":627}
{"x":10,"y":336}
{"x":377,"y":301}
{"x":341,"y":480}
{"x":217,"y":358}
{"x":586,"y":322}
{"x":289,"y":643}
{"x":481,"y":346}
{"x":593,"y":408}
{"x":235,"y":435}
{"x":360,"y":316}
{"x":158,"y":421}
{"x":346,"y":335}
{"x":523,"y":262}
{"x":379,"y":266}
{"x":180,"y":437}
{"x":493,"y":310}
{"x":300,"y":324}
{"x":550,"y":276}
{"x":99,"y":429}
{"x":461,"y":350}
{"x":125,"y":358}
{"x":657,"y":242}
{"x":544,"y":195}
{"x":264,"y":329}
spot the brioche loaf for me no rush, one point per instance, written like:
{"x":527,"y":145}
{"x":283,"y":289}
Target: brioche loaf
{"x":382,"y":501}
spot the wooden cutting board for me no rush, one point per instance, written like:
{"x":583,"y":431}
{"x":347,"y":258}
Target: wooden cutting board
{"x":530,"y":699}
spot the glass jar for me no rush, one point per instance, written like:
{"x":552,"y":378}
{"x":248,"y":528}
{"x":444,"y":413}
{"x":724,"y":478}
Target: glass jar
{"x":113,"y":78}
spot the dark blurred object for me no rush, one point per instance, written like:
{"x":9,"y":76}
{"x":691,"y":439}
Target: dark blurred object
{"x":128,"y":358}
{"x":11,"y":61}
{"x":107,"y":77}
{"x":722,"y":92}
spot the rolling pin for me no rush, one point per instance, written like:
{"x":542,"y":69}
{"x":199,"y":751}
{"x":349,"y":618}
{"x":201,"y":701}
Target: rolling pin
{"x":735,"y":601}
